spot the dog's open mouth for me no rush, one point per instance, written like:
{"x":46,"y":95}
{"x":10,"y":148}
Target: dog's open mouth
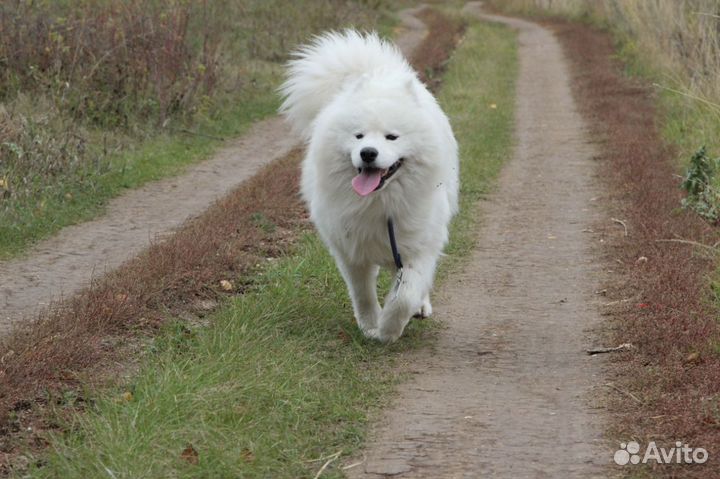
{"x":371,"y":179}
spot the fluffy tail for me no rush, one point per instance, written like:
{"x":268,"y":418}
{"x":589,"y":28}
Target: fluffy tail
{"x":319,"y":70}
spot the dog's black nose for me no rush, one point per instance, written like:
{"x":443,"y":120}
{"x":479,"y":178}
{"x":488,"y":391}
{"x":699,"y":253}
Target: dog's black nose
{"x":368,"y":155}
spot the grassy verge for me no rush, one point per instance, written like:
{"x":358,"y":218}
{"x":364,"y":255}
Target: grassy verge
{"x":671,"y":45}
{"x":479,"y":95}
{"x":279,"y":378}
{"x":84,"y":196}
{"x":98,"y":97}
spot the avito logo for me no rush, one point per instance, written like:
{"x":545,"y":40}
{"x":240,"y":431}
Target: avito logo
{"x":680,"y":454}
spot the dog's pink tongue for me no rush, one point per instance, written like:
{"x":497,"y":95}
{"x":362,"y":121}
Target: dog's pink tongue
{"x":366,"y":182}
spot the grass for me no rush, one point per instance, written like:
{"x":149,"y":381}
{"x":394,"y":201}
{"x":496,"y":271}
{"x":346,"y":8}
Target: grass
{"x":688,"y":113}
{"x":87,"y":335}
{"x":272,"y":383}
{"x":94,"y":95}
{"x":673,"y":45}
{"x":481,"y":116}
{"x":280,"y":377}
{"x":85,"y":193}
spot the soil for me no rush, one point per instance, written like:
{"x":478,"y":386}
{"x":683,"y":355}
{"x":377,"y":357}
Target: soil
{"x":661,"y":296}
{"x":69,"y":261}
{"x":508,"y":390}
{"x":411,"y":31}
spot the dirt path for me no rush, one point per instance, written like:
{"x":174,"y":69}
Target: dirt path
{"x":68,"y":261}
{"x":507,"y":391}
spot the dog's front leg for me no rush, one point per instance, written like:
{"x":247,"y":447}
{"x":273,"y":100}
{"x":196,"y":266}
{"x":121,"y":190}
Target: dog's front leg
{"x":405,"y":299}
{"x":361,"y":282}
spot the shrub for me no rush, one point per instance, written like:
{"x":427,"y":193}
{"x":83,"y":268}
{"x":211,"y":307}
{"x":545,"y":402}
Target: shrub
{"x":81,"y":80}
{"x":107,"y":62}
{"x":702,"y":196}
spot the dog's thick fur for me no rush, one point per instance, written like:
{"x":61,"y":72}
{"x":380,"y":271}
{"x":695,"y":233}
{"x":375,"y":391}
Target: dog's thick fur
{"x":350,"y":92}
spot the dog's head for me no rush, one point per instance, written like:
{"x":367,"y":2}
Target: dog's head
{"x":378,"y":126}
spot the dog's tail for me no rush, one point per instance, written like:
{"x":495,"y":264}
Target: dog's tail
{"x":319,"y":70}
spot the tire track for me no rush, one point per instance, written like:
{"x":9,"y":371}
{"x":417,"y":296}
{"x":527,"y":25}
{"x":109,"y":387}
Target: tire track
{"x":507,"y":390}
{"x":67,"y":262}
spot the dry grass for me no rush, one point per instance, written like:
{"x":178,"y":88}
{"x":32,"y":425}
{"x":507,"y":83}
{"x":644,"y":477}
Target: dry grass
{"x":673,"y":302}
{"x":445,"y":31}
{"x":679,"y":38}
{"x":85,"y":85}
{"x":106,"y":62}
{"x":111,"y":63}
{"x":665,"y":289}
{"x":670,"y":315}
{"x":81,"y":340}
{"x":675,"y":43}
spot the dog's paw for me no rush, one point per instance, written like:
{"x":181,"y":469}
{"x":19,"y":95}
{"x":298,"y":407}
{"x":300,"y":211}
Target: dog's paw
{"x":370,"y":333}
{"x":377,"y":335}
{"x":425,"y":310}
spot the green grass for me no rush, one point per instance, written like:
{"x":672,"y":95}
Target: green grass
{"x":103,"y":112}
{"x":282,"y":376}
{"x":685,"y":122}
{"x":85,"y":195}
{"x":470,"y":89}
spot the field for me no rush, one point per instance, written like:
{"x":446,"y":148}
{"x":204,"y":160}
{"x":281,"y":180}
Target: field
{"x":273,"y":333}
{"x":102,"y":98}
{"x":576,"y":305}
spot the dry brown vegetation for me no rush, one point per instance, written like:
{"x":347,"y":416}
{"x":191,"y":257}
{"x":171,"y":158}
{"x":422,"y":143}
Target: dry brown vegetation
{"x":86,"y":84}
{"x":675,"y":45}
{"x":678,"y":38}
{"x":113,"y":63}
{"x":100,"y":59}
{"x":663,"y":303}
{"x":82,"y":339}
{"x":435,"y":52}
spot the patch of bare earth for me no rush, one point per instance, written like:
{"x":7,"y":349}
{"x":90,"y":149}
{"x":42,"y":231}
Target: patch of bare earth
{"x":94,"y":335}
{"x":509,"y":390}
{"x":660,"y":296}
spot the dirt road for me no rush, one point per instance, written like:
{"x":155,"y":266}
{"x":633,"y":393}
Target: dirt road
{"x":69,"y":260}
{"x":509,"y":391}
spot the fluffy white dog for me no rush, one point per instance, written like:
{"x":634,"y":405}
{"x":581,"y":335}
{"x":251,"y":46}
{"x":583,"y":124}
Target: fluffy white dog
{"x":379,"y":148}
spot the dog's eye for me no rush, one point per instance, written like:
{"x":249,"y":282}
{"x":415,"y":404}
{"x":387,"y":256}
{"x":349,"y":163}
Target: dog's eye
{"x":391,"y":137}
{"x":359,"y":136}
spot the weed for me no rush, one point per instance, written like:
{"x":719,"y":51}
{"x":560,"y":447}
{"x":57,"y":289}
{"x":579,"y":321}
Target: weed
{"x":262,"y":222}
{"x":96,"y":96}
{"x":108,"y":64}
{"x":703,"y":196}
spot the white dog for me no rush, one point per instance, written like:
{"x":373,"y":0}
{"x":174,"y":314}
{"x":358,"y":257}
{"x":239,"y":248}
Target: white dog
{"x":379,"y":148}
